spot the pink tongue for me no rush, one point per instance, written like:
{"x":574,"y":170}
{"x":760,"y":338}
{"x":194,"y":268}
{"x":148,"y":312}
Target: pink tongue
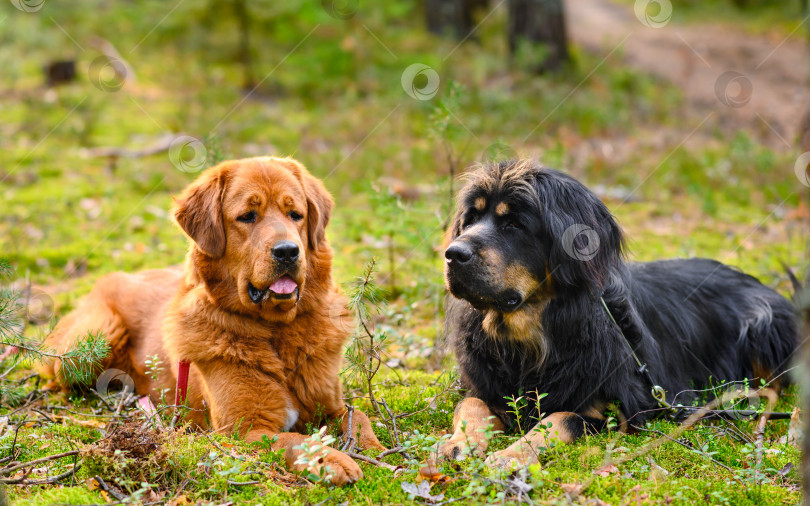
{"x":284,"y":285}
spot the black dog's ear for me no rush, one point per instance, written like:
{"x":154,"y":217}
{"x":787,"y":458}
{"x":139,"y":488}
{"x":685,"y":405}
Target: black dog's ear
{"x":586,"y":242}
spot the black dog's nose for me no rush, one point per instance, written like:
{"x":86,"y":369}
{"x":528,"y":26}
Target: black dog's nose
{"x":458,"y":252}
{"x":285,"y":251}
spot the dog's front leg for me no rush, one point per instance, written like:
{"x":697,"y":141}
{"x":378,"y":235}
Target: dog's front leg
{"x":360,"y":429}
{"x":242,"y":398}
{"x":471,"y":419}
{"x":340,"y":468}
{"x":562,"y":427}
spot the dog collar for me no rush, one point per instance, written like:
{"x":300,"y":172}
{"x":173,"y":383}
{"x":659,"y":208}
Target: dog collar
{"x":182,"y":382}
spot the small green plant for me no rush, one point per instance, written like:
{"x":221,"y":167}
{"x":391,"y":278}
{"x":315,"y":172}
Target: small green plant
{"x":154,"y":366}
{"x":313,"y":450}
{"x":79,"y":364}
{"x":516,"y":407}
{"x":421,"y":446}
{"x":364,"y":354}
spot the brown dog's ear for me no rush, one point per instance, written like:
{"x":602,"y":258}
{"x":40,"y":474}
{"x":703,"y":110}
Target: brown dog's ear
{"x":319,"y":209}
{"x":198,"y":211}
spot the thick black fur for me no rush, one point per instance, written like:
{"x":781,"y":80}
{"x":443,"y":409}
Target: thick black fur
{"x":694,"y":322}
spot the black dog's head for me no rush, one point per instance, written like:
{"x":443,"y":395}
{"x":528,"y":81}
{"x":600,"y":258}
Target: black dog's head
{"x":523,"y":233}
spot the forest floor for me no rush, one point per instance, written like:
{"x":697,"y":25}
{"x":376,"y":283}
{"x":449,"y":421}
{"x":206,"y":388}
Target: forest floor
{"x":688,"y":166}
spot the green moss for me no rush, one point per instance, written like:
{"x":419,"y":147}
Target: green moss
{"x":337,"y":104}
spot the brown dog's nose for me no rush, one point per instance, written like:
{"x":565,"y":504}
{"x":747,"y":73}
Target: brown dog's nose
{"x":458,"y":252}
{"x":285,"y":251}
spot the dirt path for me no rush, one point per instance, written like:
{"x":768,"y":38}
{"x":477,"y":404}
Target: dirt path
{"x":735,"y":80}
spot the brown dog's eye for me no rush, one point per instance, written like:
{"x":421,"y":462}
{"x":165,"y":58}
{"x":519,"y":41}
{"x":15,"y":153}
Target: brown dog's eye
{"x":295,"y":216}
{"x":249,"y":217}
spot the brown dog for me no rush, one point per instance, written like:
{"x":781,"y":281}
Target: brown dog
{"x":254,"y":310}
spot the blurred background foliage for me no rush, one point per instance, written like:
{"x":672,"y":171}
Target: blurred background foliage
{"x":323,"y":82}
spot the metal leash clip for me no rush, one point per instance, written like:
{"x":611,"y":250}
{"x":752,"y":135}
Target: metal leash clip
{"x":660,"y":395}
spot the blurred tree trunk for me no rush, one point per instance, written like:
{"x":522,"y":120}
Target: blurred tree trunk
{"x":244,"y":55}
{"x":453,"y":18}
{"x":539,"y":22}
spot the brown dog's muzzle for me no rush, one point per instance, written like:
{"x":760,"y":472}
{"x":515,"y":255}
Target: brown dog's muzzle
{"x":286,"y":255}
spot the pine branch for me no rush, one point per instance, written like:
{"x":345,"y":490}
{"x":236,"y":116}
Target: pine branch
{"x":79,"y":364}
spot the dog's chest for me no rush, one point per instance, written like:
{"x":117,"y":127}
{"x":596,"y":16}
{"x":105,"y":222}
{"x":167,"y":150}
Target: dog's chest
{"x":310,"y":375}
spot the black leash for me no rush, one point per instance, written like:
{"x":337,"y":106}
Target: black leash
{"x":679,"y":411}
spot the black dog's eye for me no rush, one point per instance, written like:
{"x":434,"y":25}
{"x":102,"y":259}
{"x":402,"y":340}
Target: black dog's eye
{"x":513,"y":225}
{"x":295,"y":216}
{"x":249,"y":217}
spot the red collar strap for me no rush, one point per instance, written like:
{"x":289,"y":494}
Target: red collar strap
{"x":182,"y":382}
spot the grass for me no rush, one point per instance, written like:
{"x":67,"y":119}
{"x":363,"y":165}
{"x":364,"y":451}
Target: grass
{"x":333,"y":98}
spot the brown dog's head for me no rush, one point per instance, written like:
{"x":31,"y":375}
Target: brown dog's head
{"x":258,"y":232}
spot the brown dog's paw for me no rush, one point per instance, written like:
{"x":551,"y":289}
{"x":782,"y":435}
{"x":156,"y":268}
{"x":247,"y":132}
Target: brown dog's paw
{"x":339,"y":467}
{"x":344,"y":469}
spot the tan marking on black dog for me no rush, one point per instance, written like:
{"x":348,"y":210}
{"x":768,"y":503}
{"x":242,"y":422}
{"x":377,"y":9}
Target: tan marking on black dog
{"x":502,"y":209}
{"x":471,"y":418}
{"x":492,"y":265}
{"x":763,"y":372}
{"x":524,"y":451}
{"x":524,"y":324}
{"x":480,"y":203}
{"x":517,"y":277}
{"x":596,"y":411}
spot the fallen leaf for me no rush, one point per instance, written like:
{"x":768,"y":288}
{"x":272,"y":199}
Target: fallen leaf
{"x":91,"y":483}
{"x":430,"y":472}
{"x":97,"y":424}
{"x":606,"y":470}
{"x":573,"y":489}
{"x":422,"y":490}
{"x":179,"y":500}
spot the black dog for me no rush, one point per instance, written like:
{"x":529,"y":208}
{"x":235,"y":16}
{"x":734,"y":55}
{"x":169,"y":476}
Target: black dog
{"x":534,"y":254}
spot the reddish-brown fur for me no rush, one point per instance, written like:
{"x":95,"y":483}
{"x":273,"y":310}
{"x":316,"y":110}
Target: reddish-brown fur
{"x":250,"y":364}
